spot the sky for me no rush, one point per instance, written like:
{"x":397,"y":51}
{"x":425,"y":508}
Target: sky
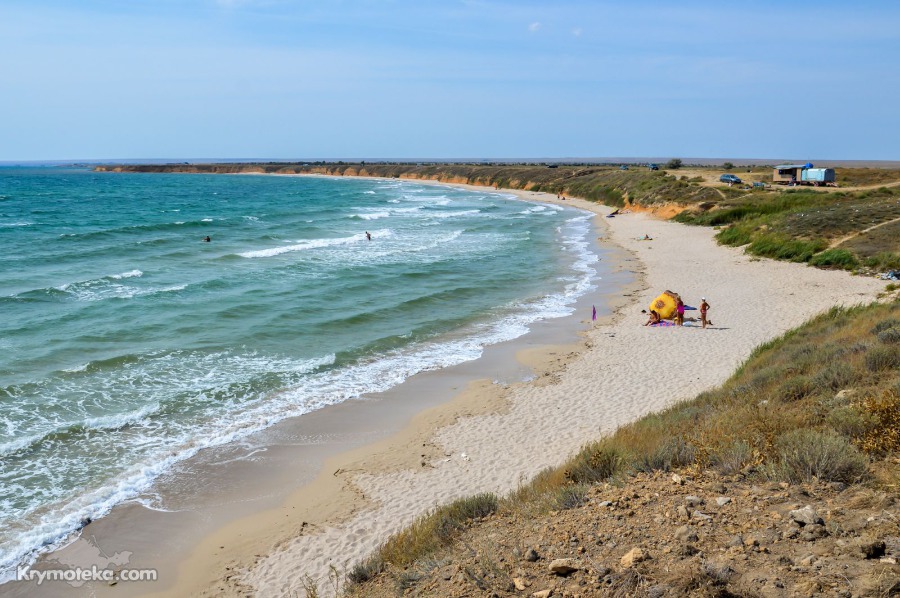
{"x":449,"y":79}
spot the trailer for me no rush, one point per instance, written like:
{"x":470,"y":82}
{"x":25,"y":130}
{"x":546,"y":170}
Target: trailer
{"x":817,"y":176}
{"x":802,"y":174}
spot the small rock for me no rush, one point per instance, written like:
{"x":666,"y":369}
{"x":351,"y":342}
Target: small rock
{"x":737,"y":540}
{"x":531,"y":555}
{"x":682,"y":512}
{"x":837,"y":486}
{"x":722,"y":501}
{"x":605,"y":503}
{"x":700,"y":516}
{"x":806,"y":516}
{"x":686,"y":534}
{"x":811,"y":533}
{"x":677,"y":479}
{"x":633,"y":556}
{"x":563,"y":567}
{"x":519,"y":583}
{"x":542,"y":594}
{"x":693,"y":501}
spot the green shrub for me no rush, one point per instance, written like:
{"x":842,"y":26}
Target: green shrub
{"x":571,"y":497}
{"x":366,"y":570}
{"x":880,"y":359}
{"x":850,"y":421}
{"x":836,"y":376}
{"x":731,"y":458}
{"x":885,"y":324}
{"x":806,"y":454}
{"x":667,"y":455}
{"x":889,"y":336}
{"x":835,"y":258}
{"x":795,"y":388}
{"x":594,"y":463}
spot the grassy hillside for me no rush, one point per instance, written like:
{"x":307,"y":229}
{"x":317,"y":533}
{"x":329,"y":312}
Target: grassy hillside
{"x":820,"y":404}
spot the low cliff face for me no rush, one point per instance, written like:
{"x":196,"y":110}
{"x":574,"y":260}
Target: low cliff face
{"x":604,"y":184}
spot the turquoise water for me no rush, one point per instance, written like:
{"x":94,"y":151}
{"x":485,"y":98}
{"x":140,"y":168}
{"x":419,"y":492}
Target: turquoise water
{"x":127,"y":343}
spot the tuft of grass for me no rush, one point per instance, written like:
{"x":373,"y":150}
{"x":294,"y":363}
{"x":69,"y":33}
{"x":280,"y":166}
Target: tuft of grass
{"x":882,"y":261}
{"x":594,"y":463}
{"x":785,"y":248}
{"x":435,"y":530}
{"x":806,"y":454}
{"x":835,"y":258}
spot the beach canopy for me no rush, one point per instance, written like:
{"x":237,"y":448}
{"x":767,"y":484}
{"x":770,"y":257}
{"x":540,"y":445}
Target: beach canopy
{"x":665,"y":305}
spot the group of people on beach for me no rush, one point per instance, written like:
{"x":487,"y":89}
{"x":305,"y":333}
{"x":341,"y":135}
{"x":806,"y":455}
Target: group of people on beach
{"x":680,"y":308}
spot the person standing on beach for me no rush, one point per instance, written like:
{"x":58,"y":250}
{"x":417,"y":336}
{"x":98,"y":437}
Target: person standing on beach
{"x":679,"y":308}
{"x":704,"y":307}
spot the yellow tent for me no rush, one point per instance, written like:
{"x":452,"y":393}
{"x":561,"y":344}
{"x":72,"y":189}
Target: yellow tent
{"x":665,"y":305}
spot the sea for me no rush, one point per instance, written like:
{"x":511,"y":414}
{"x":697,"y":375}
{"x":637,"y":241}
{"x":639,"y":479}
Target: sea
{"x":128,"y":342}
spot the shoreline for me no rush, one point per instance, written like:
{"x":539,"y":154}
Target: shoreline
{"x":327,"y":498}
{"x":584,"y":392}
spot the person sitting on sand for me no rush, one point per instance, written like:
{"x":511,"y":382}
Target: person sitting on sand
{"x":654,"y":318}
{"x":646,"y":238}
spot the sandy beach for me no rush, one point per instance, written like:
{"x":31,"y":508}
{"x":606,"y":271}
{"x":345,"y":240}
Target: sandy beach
{"x":483,"y":435}
{"x":493,"y":437}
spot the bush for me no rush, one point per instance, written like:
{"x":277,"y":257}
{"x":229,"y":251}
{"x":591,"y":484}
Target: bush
{"x":795,"y":388}
{"x":890,"y":336}
{"x":883,"y":436}
{"x":732,"y":458}
{"x":674,"y":164}
{"x":836,"y":376}
{"x":366,"y":570}
{"x":885,"y":324}
{"x":727,"y":165}
{"x":835,"y":258}
{"x":594,"y":463}
{"x":571,"y":497}
{"x":670,"y":454}
{"x":806,"y":454}
{"x":880,"y":359}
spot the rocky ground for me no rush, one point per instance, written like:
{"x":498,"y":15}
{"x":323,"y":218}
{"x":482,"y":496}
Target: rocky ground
{"x":675,"y":535}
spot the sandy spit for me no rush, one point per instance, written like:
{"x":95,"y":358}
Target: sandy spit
{"x":622,"y":371}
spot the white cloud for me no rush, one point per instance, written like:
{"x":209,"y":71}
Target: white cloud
{"x":534,"y":27}
{"x":577,"y":32}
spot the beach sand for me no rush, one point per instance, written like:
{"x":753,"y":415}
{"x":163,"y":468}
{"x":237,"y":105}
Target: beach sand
{"x":494,"y":437}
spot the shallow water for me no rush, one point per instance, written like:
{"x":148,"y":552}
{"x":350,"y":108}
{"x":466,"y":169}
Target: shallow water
{"x":128,"y":343}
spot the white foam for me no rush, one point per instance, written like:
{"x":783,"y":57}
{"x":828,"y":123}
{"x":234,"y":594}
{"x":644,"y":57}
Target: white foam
{"x":303,"y":246}
{"x":130,"y":274}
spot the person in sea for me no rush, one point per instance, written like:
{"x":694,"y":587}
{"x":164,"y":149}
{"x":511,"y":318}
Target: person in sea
{"x":704,"y":307}
{"x":654,"y":318}
{"x":679,"y":310}
{"x":368,"y":236}
{"x":206,"y":239}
